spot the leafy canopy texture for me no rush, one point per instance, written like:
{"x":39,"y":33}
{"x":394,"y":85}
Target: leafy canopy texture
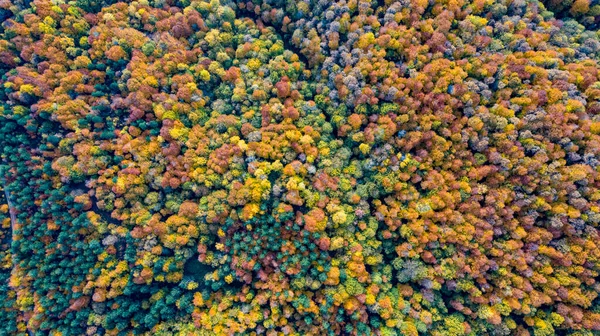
{"x":299,"y":167}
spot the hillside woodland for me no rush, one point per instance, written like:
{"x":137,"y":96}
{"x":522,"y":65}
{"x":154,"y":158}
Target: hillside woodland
{"x":300,"y":167}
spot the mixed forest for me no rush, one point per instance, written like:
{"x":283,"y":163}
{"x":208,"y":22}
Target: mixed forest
{"x":300,"y":167}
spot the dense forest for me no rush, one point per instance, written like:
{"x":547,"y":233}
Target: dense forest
{"x":300,"y":167}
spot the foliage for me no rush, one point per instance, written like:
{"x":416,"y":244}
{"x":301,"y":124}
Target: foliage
{"x":299,"y":167}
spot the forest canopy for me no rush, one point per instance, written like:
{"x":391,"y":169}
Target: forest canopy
{"x":300,"y":167}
